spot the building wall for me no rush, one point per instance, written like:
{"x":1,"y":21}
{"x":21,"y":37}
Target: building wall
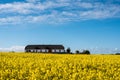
{"x":46,"y":50}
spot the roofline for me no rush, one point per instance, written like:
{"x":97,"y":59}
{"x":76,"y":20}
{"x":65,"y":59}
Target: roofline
{"x":45,"y":45}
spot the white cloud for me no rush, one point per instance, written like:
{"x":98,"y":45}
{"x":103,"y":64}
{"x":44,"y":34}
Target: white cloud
{"x":11,"y":20}
{"x":85,"y":5}
{"x":32,"y":1}
{"x":104,"y":50}
{"x":56,"y":11}
{"x":13,"y":48}
{"x":21,"y":8}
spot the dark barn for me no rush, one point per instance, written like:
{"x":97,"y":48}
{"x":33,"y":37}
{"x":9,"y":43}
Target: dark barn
{"x":45,"y":48}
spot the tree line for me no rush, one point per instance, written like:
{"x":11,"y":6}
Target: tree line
{"x":68,"y":50}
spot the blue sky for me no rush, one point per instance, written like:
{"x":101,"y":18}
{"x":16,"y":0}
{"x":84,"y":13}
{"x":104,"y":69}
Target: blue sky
{"x":78,"y":24}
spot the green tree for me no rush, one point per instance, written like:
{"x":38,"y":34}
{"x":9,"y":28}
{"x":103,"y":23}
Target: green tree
{"x":86,"y":52}
{"x":68,"y":50}
{"x":77,"y":51}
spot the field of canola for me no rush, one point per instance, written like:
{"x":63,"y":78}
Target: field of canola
{"x":31,"y":66}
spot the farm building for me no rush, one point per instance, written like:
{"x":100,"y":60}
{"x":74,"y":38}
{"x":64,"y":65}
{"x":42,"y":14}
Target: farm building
{"x":45,"y":48}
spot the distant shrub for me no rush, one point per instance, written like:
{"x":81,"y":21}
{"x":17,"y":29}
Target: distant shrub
{"x":77,"y":51}
{"x":117,"y":54}
{"x":68,"y":50}
{"x":12,"y":51}
{"x":86,"y":52}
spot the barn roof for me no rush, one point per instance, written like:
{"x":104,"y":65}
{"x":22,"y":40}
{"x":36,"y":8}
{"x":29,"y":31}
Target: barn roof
{"x":44,"y":47}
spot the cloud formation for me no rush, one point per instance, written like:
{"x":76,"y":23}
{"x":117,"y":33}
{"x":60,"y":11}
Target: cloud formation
{"x":105,"y":50}
{"x":57,"y":11}
{"x":13,"y":48}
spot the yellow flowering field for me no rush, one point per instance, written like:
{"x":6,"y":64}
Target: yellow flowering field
{"x":38,"y":66}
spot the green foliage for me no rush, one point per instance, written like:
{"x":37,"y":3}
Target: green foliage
{"x":68,"y":50}
{"x":84,"y":52}
{"x":117,"y":53}
{"x":77,"y":51}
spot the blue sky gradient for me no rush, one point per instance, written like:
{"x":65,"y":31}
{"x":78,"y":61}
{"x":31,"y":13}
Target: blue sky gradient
{"x":78,"y":24}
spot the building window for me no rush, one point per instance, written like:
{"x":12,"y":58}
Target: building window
{"x":31,"y":50}
{"x":46,"y":50}
{"x":57,"y":50}
{"x":43,"y":50}
{"x":62,"y":50}
{"x":53,"y":50}
{"x":38,"y":50}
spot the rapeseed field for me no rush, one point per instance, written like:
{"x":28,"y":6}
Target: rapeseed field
{"x":38,"y":66}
